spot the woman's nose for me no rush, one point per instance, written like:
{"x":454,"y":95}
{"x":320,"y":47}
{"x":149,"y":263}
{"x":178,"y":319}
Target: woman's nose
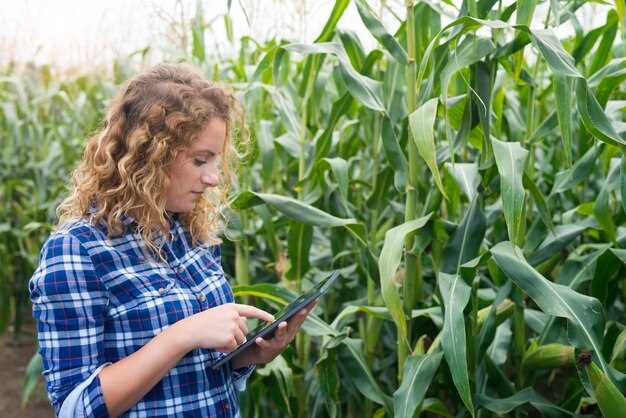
{"x":210,"y":179}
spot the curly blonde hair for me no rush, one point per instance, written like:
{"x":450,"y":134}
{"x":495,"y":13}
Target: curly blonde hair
{"x":124,"y":168}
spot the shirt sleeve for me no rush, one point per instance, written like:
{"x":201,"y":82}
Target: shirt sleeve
{"x":240,"y":376}
{"x":69,"y":306}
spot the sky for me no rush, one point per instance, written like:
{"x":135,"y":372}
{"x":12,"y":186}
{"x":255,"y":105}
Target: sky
{"x":68,"y":33}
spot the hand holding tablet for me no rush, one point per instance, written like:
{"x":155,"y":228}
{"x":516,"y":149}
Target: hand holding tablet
{"x":266,"y":331}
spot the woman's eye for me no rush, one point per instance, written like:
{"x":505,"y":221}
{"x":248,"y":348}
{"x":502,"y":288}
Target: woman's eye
{"x":199,"y":162}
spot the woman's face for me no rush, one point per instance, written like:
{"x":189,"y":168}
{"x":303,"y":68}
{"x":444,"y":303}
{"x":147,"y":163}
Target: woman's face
{"x":195,"y":170}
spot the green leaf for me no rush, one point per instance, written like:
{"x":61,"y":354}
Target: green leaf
{"x":391,"y":147}
{"x":388,"y":263}
{"x":466,"y":176}
{"x":498,"y":350}
{"x":456,"y":294}
{"x":283,"y":374}
{"x":555,"y":241}
{"x":197,"y":34}
{"x":525,"y":11}
{"x":540,"y":201}
{"x":466,"y":240}
{"x":266,"y":146}
{"x":298,"y":248}
{"x":339,"y":167}
{"x":585,"y":314}
{"x":510,"y":159}
{"x":527,"y":395}
{"x":563,"y":95}
{"x":602,"y":54}
{"x":31,"y":378}
{"x":422,"y":122}
{"x":620,"y":8}
{"x":361,"y":374}
{"x":556,"y":57}
{"x":567,"y":179}
{"x":364,"y":89}
{"x":623,"y":181}
{"x":291,"y":208}
{"x":353,"y":47}
{"x":437,"y":407}
{"x":611,"y":401}
{"x":329,"y":27}
{"x":601,"y":209}
{"x":228,"y":26}
{"x":379,"y":32}
{"x":338,"y":109}
{"x":418,"y":373}
{"x":469,"y":52}
{"x":283,"y":103}
{"x":594,"y":118}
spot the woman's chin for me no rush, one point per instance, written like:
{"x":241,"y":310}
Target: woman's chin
{"x":181,"y":208}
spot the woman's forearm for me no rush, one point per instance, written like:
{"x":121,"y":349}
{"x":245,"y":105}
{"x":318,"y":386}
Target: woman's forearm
{"x":125,"y":382}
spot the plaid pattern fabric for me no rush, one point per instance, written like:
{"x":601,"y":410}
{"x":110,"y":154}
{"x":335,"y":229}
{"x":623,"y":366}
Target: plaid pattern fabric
{"x":98,"y":300}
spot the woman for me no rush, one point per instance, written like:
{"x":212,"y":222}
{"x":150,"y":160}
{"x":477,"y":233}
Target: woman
{"x":131,"y":302}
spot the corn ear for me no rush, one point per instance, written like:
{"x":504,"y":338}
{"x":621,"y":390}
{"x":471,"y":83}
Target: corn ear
{"x":611,"y":401}
{"x":503,"y":311}
{"x":548,"y":356}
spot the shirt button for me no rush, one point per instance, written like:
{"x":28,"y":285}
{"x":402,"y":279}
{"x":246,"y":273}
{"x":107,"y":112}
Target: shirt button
{"x":180,"y":269}
{"x":201,"y":298}
{"x":161,"y":290}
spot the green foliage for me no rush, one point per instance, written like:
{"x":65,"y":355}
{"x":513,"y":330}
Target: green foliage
{"x":467,"y":179}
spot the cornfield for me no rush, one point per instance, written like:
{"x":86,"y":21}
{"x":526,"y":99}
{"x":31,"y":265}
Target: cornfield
{"x":467,"y":177}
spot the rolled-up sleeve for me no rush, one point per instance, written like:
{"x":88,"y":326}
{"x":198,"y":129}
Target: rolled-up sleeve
{"x":240,"y":376}
{"x":69,"y":306}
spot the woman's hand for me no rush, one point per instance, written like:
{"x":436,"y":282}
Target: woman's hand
{"x":264,"y":350}
{"x":221,"y":328}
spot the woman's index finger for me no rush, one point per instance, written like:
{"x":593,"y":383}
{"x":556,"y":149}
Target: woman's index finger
{"x":253,"y":312}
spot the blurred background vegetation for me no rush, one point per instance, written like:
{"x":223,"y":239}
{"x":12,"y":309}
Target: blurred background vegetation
{"x":461,"y":163}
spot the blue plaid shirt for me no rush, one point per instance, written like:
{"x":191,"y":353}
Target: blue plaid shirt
{"x":98,"y":300}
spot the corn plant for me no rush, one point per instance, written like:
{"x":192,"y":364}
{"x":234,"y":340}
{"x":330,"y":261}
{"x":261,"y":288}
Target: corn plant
{"x":466,"y":176}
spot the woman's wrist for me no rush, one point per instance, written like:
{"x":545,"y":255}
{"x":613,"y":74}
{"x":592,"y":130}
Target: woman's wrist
{"x":182,"y":339}
{"x":244,"y":359}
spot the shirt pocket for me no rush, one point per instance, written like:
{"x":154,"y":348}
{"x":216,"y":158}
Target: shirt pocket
{"x":137,"y":285}
{"x":212,"y":281}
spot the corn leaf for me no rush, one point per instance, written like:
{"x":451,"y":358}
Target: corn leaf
{"x":623,"y":182}
{"x":466,"y":176}
{"x":601,"y":209}
{"x":466,"y":240}
{"x":510,"y":159}
{"x":364,"y":89}
{"x":611,"y":401}
{"x":361,"y":374}
{"x":527,"y":395}
{"x":566,"y":179}
{"x":331,"y":23}
{"x":563,"y":97}
{"x":584,"y":313}
{"x":418,"y":373}
{"x":379,"y":32}
{"x":555,"y":241}
{"x":456,"y":294}
{"x":422,"y":127}
{"x":388,"y":263}
{"x":299,"y":240}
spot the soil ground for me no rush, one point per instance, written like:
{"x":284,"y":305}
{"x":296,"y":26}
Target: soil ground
{"x":14,"y":358}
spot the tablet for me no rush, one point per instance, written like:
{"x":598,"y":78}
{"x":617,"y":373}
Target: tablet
{"x":267,"y":330}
